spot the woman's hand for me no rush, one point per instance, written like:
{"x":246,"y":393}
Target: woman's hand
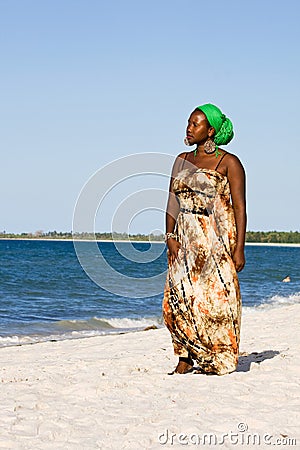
{"x":239,"y":259}
{"x":173,"y":248}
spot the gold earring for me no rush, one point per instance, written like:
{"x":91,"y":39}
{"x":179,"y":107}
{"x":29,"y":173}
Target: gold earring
{"x":209,"y":146}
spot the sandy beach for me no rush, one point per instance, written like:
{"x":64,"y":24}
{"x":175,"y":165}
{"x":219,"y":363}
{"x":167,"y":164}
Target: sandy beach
{"x":112,"y":392}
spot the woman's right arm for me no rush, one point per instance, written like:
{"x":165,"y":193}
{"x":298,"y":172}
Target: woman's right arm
{"x":172,"y":211}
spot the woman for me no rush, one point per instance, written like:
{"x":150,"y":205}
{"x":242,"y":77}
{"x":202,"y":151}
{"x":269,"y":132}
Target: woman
{"x":205,"y":236}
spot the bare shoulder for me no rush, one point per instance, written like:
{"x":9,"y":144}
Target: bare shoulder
{"x":233,"y":163}
{"x":178,"y":162}
{"x":182,"y":155}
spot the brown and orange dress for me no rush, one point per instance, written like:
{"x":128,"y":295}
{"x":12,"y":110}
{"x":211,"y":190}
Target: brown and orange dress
{"x":202,"y":302}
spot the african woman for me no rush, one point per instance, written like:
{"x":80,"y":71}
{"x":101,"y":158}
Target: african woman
{"x":205,"y":236}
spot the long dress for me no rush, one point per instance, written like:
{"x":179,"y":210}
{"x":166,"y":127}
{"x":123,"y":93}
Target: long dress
{"x":202,"y":302}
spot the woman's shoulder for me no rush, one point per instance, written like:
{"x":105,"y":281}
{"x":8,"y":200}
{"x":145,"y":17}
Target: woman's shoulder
{"x":232,"y":162}
{"x":179,"y":163}
{"x":179,"y":158}
{"x":182,"y":155}
{"x":231,"y":159}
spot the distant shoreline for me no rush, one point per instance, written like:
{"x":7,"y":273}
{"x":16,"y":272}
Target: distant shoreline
{"x":266,"y":244}
{"x":81,"y":240}
{"x":274,"y":244}
{"x":267,"y":238}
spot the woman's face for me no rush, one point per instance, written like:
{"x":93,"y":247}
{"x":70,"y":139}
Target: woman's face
{"x":198,"y":128}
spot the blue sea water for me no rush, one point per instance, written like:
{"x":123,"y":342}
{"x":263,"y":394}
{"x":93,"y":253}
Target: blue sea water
{"x":46,"y":295}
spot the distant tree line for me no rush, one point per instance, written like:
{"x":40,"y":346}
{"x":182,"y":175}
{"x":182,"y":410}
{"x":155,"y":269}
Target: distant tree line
{"x":280,"y":237}
{"x":85,"y":235}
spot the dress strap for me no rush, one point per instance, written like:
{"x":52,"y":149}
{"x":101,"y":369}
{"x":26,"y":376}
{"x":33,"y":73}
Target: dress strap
{"x":183,"y":161}
{"x":224,"y":154}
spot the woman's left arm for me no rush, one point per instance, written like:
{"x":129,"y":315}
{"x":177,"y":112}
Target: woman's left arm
{"x":236,"y":177}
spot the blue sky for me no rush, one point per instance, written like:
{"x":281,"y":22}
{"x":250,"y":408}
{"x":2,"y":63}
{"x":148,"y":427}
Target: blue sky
{"x":86,"y":82}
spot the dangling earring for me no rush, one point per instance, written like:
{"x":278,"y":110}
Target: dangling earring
{"x":209,"y":146}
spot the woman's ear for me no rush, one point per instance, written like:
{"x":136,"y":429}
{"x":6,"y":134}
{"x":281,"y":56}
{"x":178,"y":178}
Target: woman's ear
{"x":211,"y":132}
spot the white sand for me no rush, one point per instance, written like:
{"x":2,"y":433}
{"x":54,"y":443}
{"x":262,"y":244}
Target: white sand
{"x":113,"y":392}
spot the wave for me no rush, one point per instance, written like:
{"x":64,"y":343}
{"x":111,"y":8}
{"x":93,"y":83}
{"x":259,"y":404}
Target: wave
{"x":98,"y":326}
{"x":275,"y":301}
{"x":280,"y":300}
{"x":106,"y":324}
{"x":77,"y":329}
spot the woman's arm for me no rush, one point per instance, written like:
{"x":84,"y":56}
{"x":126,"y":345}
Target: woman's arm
{"x":173,"y":210}
{"x":236,"y":177}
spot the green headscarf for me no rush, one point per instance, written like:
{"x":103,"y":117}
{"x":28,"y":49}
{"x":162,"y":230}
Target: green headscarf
{"x":222,"y":125}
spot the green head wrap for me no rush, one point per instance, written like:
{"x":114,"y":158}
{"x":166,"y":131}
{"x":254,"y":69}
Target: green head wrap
{"x":222,"y":125}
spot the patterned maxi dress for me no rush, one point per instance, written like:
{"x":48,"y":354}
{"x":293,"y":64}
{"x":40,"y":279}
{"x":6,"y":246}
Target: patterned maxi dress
{"x":202,"y":303}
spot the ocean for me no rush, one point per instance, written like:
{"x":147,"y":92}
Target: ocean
{"x":46,"y":294}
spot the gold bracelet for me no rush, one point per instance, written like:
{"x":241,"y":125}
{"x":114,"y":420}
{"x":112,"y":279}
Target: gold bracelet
{"x":170,"y":236}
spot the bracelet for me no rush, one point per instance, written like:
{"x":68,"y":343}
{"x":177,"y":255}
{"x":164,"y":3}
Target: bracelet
{"x":170,"y":236}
